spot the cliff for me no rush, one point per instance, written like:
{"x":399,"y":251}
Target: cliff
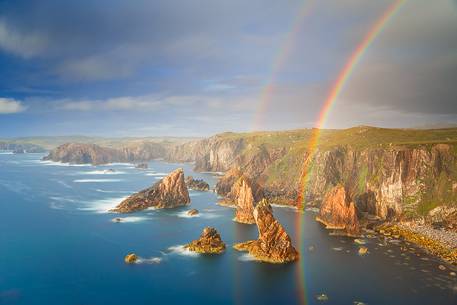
{"x":170,"y":192}
{"x":388,"y":173}
{"x":77,"y":153}
{"x":80,"y":153}
{"x":338,"y":212}
{"x":273,"y":244}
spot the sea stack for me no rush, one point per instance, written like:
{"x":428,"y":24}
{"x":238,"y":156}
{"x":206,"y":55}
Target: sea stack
{"x":170,"y":192}
{"x":245,"y":203}
{"x":338,"y":212}
{"x":273,"y":244}
{"x":210,"y":242}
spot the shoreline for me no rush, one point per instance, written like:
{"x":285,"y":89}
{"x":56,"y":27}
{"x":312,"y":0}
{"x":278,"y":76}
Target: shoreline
{"x":435,"y":242}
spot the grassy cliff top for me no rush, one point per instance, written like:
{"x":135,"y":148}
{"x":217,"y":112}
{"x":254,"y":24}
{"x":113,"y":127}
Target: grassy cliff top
{"x":356,"y":137}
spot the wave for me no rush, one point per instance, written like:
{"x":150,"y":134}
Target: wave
{"x":103,"y":205}
{"x":283,"y":206}
{"x":194,"y":194}
{"x":205,"y":215}
{"x":6,"y":153}
{"x":115,"y":192}
{"x":246,"y":258}
{"x":101,"y":172}
{"x":57,"y":198}
{"x":48,"y":162}
{"x":150,"y":260}
{"x":156,"y":174}
{"x":181,"y":250}
{"x":183,"y":214}
{"x":130,"y":219}
{"x":96,"y":180}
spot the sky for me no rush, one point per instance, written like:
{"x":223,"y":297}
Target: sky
{"x":196,"y":68}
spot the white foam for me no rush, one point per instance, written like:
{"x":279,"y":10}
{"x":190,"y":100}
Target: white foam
{"x":150,"y":260}
{"x":195,"y":194}
{"x":116,"y":192}
{"x":130,"y":219}
{"x":183,"y":214}
{"x":103,"y":205}
{"x":6,"y":153}
{"x":101,"y":172}
{"x":181,"y":250}
{"x":156,"y":174}
{"x":63,"y":199}
{"x":246,"y":258}
{"x":96,"y":180}
{"x":48,"y":162}
{"x":283,"y":206}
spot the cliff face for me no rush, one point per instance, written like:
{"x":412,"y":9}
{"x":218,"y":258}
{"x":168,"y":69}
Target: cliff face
{"x":339,"y":212}
{"x":84,"y":153}
{"x":273,"y":244}
{"x":383,"y":176}
{"x":170,"y":192}
{"x":245,"y":203}
{"x":81,"y":153}
{"x":388,"y":182}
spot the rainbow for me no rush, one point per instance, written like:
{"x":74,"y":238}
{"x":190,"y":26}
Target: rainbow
{"x":335,"y":91}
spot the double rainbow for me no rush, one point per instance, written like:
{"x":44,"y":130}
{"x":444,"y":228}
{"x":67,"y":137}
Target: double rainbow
{"x":335,"y":91}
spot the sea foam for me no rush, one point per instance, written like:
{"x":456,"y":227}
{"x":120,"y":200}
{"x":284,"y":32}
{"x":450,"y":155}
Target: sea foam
{"x":96,"y":180}
{"x":181,"y":250}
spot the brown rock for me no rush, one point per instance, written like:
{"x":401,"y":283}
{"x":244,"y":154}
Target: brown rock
{"x":338,"y":212}
{"x":245,"y":203}
{"x":273,"y":244}
{"x":192,"y":212}
{"x":210,"y":242}
{"x":197,"y":184}
{"x":131,"y":258}
{"x":170,"y":192}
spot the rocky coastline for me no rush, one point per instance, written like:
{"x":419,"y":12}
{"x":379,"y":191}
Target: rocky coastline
{"x":210,"y":242}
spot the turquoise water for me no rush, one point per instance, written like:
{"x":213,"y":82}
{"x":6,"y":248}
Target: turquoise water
{"x":59,"y":245}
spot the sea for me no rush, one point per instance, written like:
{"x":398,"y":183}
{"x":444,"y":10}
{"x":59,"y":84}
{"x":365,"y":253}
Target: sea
{"x":59,"y":245}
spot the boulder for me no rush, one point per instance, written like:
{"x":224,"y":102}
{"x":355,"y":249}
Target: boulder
{"x":131,"y":258}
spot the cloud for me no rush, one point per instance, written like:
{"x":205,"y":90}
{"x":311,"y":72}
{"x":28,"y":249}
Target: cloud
{"x":140,"y":103}
{"x":24,"y":44}
{"x":8,"y":105}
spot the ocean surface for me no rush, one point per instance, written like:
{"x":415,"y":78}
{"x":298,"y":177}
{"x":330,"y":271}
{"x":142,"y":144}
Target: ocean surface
{"x":59,"y":245}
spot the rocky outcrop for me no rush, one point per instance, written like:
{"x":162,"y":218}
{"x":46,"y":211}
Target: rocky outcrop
{"x":273,"y":244}
{"x":131,"y":258}
{"x":142,"y":165}
{"x":170,"y":192}
{"x":443,"y":217}
{"x":245,"y":203}
{"x":193,"y":212}
{"x":197,"y":184}
{"x":77,"y":153}
{"x":338,"y":212}
{"x":210,"y":242}
{"x":230,"y":185}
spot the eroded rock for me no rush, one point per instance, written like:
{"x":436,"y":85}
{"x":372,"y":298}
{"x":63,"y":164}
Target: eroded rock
{"x":273,"y":244}
{"x":338,"y":212}
{"x":197,"y":184}
{"x":245,"y":203}
{"x":170,"y":192}
{"x":210,"y":242}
